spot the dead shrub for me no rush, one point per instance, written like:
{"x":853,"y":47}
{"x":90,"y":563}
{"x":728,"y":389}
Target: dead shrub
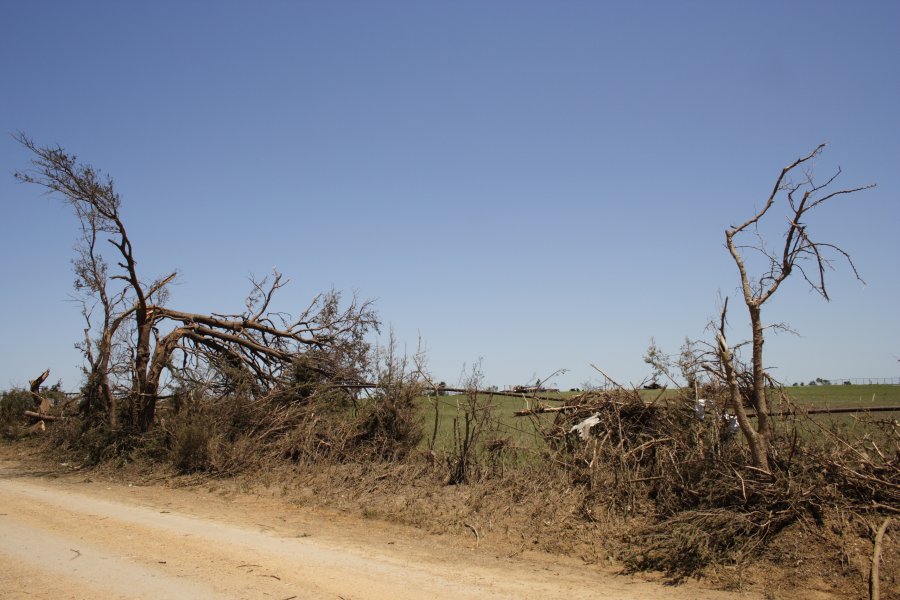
{"x":685,"y":475}
{"x":389,"y":426}
{"x":91,"y":444}
{"x":307,"y":419}
{"x":625,"y":450}
{"x":472,"y":421}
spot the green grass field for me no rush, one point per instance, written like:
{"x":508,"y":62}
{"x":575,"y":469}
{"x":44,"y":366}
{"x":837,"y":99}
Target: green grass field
{"x":848,"y":425}
{"x":846,"y":395}
{"x":810,"y":396}
{"x":522,"y":431}
{"x":502,"y":425}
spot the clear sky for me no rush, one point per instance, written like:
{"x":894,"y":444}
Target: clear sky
{"x":540,"y":185}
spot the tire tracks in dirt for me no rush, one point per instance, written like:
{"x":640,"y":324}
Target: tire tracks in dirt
{"x":65,"y":540}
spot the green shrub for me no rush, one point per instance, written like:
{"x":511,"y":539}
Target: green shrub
{"x":13,"y":403}
{"x":193,"y":442}
{"x":390,"y":426}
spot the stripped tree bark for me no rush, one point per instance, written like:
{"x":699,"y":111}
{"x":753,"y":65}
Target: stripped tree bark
{"x":41,"y":403}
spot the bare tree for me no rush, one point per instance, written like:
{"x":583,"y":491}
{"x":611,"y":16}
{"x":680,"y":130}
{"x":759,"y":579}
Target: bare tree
{"x":137,"y":337}
{"x":795,"y":252}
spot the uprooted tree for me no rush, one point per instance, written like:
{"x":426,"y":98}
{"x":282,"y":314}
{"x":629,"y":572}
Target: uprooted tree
{"x":134,"y":344}
{"x":795,"y":252}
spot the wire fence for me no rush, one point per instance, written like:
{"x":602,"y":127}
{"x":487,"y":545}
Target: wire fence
{"x":496,"y":422}
{"x":853,"y":381}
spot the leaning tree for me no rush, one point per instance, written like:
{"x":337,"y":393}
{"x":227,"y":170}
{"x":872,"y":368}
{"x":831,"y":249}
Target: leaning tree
{"x":795,"y":252}
{"x":133,"y":339}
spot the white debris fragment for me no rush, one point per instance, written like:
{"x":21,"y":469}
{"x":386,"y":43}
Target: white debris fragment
{"x":731,"y":424}
{"x":700,"y":408}
{"x":583,"y":429}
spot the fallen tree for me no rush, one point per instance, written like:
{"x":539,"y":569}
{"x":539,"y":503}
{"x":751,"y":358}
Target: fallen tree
{"x":134,"y":344}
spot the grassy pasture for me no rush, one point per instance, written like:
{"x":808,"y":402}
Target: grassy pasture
{"x":834,"y":396}
{"x":503,"y":424}
{"x":523,"y":432}
{"x":847,"y":425}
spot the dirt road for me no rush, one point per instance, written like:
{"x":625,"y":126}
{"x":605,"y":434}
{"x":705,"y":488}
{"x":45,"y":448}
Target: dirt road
{"x":69,"y":537}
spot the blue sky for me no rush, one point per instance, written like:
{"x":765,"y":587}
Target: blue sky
{"x":539,"y":185}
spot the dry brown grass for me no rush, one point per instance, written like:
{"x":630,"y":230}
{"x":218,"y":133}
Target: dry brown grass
{"x":652,"y":487}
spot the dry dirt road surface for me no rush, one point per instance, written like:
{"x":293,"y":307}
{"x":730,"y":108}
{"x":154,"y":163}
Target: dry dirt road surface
{"x":65,"y":536}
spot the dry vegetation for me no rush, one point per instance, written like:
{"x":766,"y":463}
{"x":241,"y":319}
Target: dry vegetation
{"x":730,"y":491}
{"x":646,"y":484}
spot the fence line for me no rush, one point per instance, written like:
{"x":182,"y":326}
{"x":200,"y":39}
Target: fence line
{"x":857,"y":381}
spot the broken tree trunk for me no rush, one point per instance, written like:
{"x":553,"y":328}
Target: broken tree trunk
{"x":42,"y":404}
{"x":43,"y":417}
{"x":39,"y":426}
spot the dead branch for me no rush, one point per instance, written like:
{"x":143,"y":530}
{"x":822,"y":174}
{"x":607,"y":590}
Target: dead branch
{"x":547,"y":409}
{"x":42,"y":416}
{"x":831,"y":411}
{"x":874,"y":591}
{"x":475,"y":531}
{"x":608,"y":378}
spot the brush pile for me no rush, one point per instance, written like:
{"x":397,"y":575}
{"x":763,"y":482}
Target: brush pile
{"x":678,"y":471}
